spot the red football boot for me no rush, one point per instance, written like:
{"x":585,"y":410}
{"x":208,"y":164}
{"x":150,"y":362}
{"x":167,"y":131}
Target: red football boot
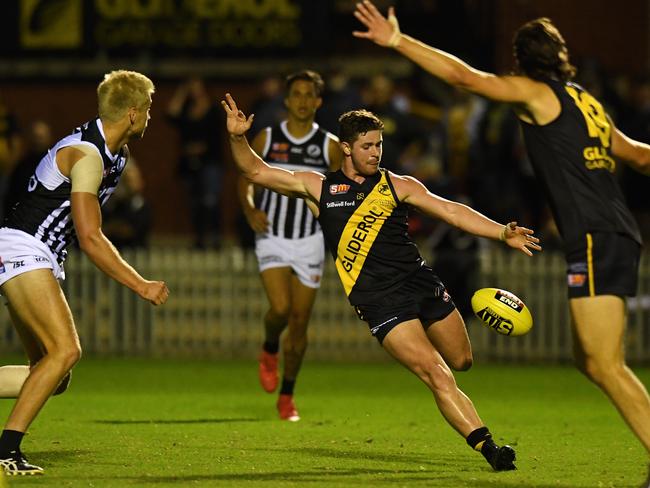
{"x":287,"y":409}
{"x":269,"y":371}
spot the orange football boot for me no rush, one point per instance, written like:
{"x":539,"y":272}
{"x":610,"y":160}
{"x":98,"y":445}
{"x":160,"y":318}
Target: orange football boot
{"x":287,"y":409}
{"x":269,"y":371}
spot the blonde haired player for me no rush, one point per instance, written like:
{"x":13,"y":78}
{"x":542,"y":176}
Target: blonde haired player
{"x":60,"y":205}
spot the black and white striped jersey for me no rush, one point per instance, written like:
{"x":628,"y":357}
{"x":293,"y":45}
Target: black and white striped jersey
{"x":44,"y":209}
{"x":290,"y":217}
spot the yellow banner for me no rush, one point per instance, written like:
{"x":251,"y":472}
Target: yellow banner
{"x":51,"y":25}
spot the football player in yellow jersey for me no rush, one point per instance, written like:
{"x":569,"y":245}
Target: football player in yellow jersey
{"x":573,"y":146}
{"x":362,"y":211}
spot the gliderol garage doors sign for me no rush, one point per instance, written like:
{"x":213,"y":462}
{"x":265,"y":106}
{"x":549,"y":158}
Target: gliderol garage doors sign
{"x":223,"y":27}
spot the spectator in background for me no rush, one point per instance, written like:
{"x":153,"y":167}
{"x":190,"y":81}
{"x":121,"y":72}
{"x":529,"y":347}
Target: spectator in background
{"x":127,"y":215}
{"x":199,"y":120}
{"x":340,"y":96}
{"x":635,"y":122}
{"x":402,"y":134}
{"x":269,"y":107}
{"x":9,"y":144}
{"x":269,"y":110}
{"x":37,"y":141}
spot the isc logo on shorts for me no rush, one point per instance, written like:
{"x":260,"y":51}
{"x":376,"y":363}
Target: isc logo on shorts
{"x":576,"y":280}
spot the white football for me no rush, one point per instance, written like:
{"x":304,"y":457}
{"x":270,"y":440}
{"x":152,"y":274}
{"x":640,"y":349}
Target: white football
{"x":502,"y":311}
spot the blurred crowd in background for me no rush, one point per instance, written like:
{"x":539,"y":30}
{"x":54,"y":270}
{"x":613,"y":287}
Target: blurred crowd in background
{"x":461,"y":146}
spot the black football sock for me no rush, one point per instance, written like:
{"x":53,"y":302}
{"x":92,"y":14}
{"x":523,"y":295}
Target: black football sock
{"x":271,"y":347}
{"x":10,"y":441}
{"x":477,"y":439}
{"x":287,"y":386}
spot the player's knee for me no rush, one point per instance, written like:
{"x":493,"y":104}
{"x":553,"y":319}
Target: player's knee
{"x":295,"y":341}
{"x":69,"y":355}
{"x":598,"y":371}
{"x":437,"y":376}
{"x":462,"y":363}
{"x":298,"y":321}
{"x":279,"y":312}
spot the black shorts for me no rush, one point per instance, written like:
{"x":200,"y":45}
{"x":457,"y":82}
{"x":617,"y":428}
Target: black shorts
{"x":423,"y":297}
{"x":607,"y":264}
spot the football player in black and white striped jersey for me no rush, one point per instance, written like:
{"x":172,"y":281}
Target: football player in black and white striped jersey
{"x":289,"y":242}
{"x":62,"y":205}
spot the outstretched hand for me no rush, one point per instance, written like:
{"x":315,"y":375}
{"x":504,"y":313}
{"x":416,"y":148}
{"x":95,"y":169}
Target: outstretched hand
{"x":236,"y":121}
{"x":520,"y":238}
{"x":155,"y":292}
{"x":381,"y":30}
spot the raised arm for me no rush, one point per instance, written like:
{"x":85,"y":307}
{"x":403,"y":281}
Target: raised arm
{"x":84,"y":167}
{"x":304,"y":184}
{"x":411,"y":191}
{"x":385,"y":32}
{"x":636,"y":154}
{"x":256,"y":218}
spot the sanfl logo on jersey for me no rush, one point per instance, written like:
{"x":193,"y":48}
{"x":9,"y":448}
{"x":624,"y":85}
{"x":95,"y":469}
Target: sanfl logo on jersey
{"x":339,"y":189}
{"x":313,"y":150}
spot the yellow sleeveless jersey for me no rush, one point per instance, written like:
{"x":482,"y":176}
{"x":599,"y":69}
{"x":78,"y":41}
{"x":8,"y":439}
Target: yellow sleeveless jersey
{"x":366,"y":230}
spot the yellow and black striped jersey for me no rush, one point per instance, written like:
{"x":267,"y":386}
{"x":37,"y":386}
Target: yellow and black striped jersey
{"x":572,"y":158}
{"x":366,"y":229}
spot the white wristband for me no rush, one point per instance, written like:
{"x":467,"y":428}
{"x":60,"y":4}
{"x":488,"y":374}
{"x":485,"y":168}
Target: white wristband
{"x":397,"y":35}
{"x":502,"y":237}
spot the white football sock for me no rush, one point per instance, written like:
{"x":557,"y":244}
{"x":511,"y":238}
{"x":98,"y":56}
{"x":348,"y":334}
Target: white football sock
{"x":11,"y":380}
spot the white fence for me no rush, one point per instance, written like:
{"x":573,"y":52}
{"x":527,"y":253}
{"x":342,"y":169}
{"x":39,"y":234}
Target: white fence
{"x":217,"y":303}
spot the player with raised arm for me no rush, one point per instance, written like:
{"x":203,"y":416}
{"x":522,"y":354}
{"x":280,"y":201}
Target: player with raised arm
{"x":61,"y":205}
{"x":573,"y":146}
{"x":362,"y":210}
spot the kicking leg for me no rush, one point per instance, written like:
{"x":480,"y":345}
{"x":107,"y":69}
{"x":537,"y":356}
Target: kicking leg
{"x":409,"y":344}
{"x":599,"y":327}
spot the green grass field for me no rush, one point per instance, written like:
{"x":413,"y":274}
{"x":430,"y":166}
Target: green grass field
{"x":152,"y":423}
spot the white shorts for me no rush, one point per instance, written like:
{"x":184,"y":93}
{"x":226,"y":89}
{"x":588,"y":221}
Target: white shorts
{"x":21,"y":252}
{"x":305,"y":256}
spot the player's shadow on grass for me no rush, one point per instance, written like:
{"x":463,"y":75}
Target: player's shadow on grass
{"x":356,"y":476}
{"x":362,"y":454}
{"x":176,"y":421}
{"x":58,"y":456}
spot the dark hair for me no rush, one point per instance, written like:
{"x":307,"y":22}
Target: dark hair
{"x":356,"y":122}
{"x":306,"y":75}
{"x":540,"y":51}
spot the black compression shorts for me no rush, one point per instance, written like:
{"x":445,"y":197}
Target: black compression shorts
{"x":422,"y":297}
{"x":607,"y":264}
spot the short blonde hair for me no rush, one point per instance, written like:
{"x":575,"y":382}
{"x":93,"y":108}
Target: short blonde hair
{"x":119,"y":91}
